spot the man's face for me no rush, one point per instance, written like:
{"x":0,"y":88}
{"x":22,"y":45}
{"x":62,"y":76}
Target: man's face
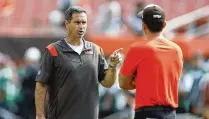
{"x":78,"y":24}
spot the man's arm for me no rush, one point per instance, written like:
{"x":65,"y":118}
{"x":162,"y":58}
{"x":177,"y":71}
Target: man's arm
{"x":42,"y":79}
{"x":128,"y":70}
{"x":109,"y":76}
{"x":40,"y":94}
{"x":126,"y":83}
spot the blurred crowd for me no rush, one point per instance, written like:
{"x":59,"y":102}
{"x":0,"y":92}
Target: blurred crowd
{"x":112,"y":19}
{"x":192,"y":85}
{"x":107,"y":20}
{"x":17,"y":85}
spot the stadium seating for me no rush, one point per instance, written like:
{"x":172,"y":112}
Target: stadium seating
{"x":27,"y":13}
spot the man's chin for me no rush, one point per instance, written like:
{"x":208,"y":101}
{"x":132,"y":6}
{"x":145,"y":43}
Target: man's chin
{"x":80,"y":36}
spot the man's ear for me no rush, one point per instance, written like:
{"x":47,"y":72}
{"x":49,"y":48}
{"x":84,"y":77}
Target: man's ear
{"x":164,"y":24}
{"x":66,"y":24}
{"x":144,"y":27}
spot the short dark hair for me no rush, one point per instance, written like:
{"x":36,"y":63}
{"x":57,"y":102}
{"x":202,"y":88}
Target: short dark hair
{"x":155,"y":26}
{"x":74,"y":9}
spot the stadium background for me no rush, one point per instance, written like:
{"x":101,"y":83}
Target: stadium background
{"x":27,"y":26}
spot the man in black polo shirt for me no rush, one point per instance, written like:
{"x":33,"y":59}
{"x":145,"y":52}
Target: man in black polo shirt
{"x":70,"y":72}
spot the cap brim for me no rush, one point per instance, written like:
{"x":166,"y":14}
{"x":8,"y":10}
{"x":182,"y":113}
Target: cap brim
{"x":140,"y":14}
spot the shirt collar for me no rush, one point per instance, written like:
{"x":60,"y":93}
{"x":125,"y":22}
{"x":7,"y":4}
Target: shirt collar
{"x":66,"y":48}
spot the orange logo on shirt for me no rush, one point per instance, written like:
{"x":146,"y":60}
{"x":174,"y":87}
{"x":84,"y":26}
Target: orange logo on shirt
{"x":89,"y":52}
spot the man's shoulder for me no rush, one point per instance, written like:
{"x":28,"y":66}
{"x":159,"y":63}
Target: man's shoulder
{"x":139,"y":44}
{"x":177,"y":48}
{"x":54,"y":47}
{"x":172,"y":43}
{"x":55,"y":44}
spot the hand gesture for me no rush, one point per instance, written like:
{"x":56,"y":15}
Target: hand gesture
{"x":116,"y":57}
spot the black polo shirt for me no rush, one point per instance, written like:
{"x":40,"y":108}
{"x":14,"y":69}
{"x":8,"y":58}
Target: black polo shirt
{"x":72,"y":80}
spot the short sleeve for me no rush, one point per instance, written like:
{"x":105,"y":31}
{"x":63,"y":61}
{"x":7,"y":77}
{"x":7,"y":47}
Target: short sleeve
{"x":103,"y":66}
{"x":46,"y":67}
{"x":130,"y":63}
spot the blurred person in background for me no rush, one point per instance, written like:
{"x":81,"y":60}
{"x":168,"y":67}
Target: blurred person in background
{"x":204,"y":92}
{"x":130,"y":99}
{"x":196,"y":96}
{"x":70,"y":72}
{"x":56,"y":19}
{"x":3,"y":82}
{"x":26,"y":106}
{"x":206,"y":100}
{"x":185,"y":86}
{"x":9,"y":84}
{"x":153,"y":67}
{"x":107,"y":105}
{"x":108,"y":19}
{"x":133,"y":21}
{"x":63,"y":5}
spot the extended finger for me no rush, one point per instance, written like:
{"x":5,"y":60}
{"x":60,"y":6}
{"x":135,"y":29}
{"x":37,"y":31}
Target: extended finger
{"x":117,"y":51}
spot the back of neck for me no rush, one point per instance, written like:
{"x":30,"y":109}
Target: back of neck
{"x":152,"y":36}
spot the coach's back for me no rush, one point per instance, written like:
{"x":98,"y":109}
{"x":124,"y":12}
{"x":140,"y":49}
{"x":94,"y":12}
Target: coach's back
{"x":159,"y":66}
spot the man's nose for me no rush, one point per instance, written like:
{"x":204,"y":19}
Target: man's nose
{"x":81,"y":26}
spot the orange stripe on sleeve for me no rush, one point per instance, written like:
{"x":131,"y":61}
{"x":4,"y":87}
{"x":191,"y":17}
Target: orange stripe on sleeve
{"x":52,"y":50}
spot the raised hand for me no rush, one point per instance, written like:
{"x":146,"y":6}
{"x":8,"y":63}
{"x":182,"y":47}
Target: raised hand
{"x":115,"y":57}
